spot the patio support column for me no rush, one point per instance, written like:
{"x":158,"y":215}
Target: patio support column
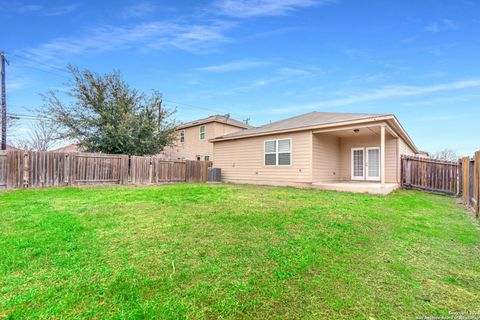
{"x":382,"y":155}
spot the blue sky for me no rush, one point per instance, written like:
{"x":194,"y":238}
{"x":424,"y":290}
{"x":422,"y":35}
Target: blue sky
{"x":263,"y":59}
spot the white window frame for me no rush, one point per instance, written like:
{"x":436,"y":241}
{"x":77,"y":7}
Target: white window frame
{"x":204,"y":132}
{"x":277,"y":153}
{"x":205,"y":157}
{"x":182,"y":136}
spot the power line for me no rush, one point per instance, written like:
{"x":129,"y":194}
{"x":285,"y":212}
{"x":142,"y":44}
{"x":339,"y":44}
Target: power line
{"x":25,"y":116}
{"x":47,"y":67}
{"x":30,"y":59}
{"x":64,"y":74}
{"x":192,"y":106}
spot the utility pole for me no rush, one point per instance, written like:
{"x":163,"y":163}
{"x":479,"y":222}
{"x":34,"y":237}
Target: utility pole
{"x":246,"y":120}
{"x":4,"y":101}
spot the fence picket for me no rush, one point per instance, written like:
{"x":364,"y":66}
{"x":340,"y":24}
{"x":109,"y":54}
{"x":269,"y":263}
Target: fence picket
{"x":430,"y":175}
{"x":476,"y":182}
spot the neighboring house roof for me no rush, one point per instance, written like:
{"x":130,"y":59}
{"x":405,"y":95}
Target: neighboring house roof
{"x":314,"y":120}
{"x":71,"y":148}
{"x":9,"y":147}
{"x":215,"y":118}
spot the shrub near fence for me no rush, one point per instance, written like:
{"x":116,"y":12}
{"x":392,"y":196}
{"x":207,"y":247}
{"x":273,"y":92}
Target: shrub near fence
{"x":44,"y":169}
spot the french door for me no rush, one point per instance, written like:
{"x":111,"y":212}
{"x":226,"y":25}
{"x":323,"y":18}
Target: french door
{"x":366,"y":164}
{"x":358,"y":164}
{"x":372,"y":164}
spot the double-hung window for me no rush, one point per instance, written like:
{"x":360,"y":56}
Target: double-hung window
{"x":278,"y":152}
{"x":202,"y":132}
{"x":182,"y":135}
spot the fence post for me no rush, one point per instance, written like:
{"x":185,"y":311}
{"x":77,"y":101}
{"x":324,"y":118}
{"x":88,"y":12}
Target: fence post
{"x":476,"y":182}
{"x":70,"y":169}
{"x":26,"y":169}
{"x":150,"y":170}
{"x":133,"y":166}
{"x":459,"y":178}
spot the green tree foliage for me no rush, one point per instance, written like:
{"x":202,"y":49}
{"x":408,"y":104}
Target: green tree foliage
{"x":104,"y":114}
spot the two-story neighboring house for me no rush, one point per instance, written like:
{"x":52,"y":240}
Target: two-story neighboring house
{"x":193,"y":137}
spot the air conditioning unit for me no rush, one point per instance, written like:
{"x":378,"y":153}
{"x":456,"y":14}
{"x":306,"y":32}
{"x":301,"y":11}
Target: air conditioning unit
{"x":214,"y":175}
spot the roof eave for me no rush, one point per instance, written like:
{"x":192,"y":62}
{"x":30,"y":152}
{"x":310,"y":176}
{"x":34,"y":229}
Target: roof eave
{"x":387,"y":117}
{"x":327,"y":125}
{"x":404,"y":134}
{"x":189,"y":125}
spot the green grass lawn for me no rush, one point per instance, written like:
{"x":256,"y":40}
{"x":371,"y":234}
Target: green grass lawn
{"x":234,"y":251}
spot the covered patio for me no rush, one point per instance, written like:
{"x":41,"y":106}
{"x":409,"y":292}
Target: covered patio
{"x":357,"y":186}
{"x":358,"y":158}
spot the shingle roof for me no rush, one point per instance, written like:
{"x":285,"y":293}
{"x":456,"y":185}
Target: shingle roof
{"x":10,"y":147}
{"x":305,"y":120}
{"x":71,"y":148}
{"x":215,"y":118}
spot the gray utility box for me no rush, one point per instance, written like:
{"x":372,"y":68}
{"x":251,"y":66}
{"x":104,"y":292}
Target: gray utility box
{"x":214,"y":175}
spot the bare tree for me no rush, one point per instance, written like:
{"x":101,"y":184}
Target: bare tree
{"x":446,"y":155}
{"x":11,"y":122}
{"x":42,"y":137}
{"x":21,"y":144}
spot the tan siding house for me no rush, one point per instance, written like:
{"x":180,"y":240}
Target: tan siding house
{"x":193,"y":138}
{"x":242,"y":160}
{"x":324,"y":150}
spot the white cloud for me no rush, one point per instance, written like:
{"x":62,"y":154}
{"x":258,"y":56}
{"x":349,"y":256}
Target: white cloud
{"x":59,"y":11}
{"x":409,"y":39}
{"x":140,"y":9}
{"x":284,"y":74}
{"x":233,"y":66}
{"x":256,"y":8}
{"x":148,"y":36}
{"x":37,"y":8}
{"x":380,"y":94}
{"x":16,"y":84}
{"x":442,"y":25}
{"x":446,"y":117}
{"x":180,"y":33}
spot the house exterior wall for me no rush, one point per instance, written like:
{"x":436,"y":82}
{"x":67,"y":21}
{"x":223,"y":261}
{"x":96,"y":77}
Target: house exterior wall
{"x":242,"y":160}
{"x":319,"y":157}
{"x":405,"y":149}
{"x":220,"y":129}
{"x":325,"y":157}
{"x":391,"y":156}
{"x":193,"y":145}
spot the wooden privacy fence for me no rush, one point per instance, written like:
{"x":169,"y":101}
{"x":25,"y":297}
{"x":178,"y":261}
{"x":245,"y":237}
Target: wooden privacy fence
{"x":59,"y":169}
{"x":11,"y":169}
{"x":148,"y":170}
{"x":462,"y":178}
{"x":470,"y":181}
{"x":430,"y":175}
{"x":44,"y":169}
